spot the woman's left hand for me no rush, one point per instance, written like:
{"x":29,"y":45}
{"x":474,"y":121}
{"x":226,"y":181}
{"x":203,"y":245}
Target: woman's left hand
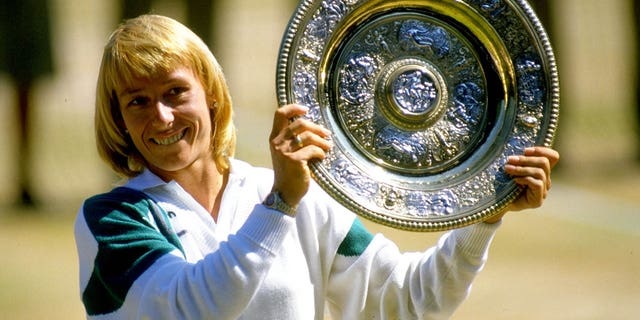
{"x":532,"y":171}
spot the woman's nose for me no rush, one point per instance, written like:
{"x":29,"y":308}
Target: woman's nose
{"x":163,"y":113}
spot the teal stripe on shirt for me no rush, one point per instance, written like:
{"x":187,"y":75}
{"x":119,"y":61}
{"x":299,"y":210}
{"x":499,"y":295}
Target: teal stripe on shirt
{"x":356,"y":240}
{"x":128,"y":244}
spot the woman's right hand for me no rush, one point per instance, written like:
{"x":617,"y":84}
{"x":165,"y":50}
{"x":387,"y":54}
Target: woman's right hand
{"x":294,"y":142}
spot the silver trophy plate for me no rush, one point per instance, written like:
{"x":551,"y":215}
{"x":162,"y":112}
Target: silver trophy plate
{"x":426,"y":99}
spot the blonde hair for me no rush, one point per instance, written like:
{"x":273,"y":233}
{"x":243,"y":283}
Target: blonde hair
{"x":145,"y":47}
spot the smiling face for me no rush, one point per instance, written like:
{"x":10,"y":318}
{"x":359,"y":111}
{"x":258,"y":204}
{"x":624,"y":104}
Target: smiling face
{"x":169,"y":121}
{"x":143,"y":57}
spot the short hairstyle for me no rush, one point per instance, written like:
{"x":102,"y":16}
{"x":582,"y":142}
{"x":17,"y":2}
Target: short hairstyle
{"x":145,"y":47}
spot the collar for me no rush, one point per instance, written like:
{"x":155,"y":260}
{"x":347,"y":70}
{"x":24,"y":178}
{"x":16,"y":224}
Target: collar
{"x":149,"y":180}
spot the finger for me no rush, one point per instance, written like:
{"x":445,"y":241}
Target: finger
{"x":533,"y":162}
{"x":531,"y":172}
{"x":525,"y":171}
{"x":535,"y":192}
{"x":309,"y":153}
{"x":300,"y":126}
{"x":530,"y":161}
{"x":552,"y":155}
{"x":283,"y":117}
{"x":309,"y":138}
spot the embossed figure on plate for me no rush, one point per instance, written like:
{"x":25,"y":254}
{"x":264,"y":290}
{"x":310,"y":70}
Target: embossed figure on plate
{"x":415,"y":92}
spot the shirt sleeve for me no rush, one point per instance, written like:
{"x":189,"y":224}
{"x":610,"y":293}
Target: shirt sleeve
{"x":377,"y":281}
{"x":128,"y":269}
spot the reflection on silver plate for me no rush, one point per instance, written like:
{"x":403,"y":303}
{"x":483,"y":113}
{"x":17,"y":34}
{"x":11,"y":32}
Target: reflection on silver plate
{"x":426,"y":99}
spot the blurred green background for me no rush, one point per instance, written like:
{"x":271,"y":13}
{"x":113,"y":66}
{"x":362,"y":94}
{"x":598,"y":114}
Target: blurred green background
{"x":577,"y":257}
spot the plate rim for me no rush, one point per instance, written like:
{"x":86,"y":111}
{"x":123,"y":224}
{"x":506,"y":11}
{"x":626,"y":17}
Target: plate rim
{"x":543,"y":47}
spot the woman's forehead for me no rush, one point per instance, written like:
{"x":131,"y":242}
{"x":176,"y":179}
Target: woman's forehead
{"x":136,"y":82}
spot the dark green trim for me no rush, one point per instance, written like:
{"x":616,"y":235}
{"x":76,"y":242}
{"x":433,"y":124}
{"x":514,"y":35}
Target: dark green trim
{"x":356,"y":240}
{"x":128,"y":244}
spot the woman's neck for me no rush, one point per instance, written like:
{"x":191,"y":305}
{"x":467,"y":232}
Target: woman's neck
{"x":204,"y":182}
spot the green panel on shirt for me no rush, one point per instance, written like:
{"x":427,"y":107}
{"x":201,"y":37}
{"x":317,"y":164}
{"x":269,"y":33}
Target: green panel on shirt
{"x":128,"y":244}
{"x":356,"y":240}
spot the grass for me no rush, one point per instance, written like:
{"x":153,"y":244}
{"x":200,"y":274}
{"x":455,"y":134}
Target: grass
{"x":39,"y":270}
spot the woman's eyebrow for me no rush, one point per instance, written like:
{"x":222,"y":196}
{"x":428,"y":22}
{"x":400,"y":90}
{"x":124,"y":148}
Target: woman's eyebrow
{"x":174,"y":78}
{"x":130,"y":91}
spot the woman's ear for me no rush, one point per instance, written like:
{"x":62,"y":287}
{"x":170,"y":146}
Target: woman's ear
{"x":212,"y":103}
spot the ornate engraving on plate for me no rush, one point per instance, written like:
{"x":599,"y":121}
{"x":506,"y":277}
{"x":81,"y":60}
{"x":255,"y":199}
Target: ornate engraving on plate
{"x":408,"y":63}
{"x":426,"y":100}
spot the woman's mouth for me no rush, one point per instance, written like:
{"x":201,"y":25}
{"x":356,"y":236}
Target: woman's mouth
{"x":171,"y":139}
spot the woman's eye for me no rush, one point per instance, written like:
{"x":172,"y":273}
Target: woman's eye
{"x":176,"y":91}
{"x":139,"y":101}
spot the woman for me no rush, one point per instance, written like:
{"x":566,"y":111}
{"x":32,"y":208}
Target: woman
{"x":196,"y":234}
